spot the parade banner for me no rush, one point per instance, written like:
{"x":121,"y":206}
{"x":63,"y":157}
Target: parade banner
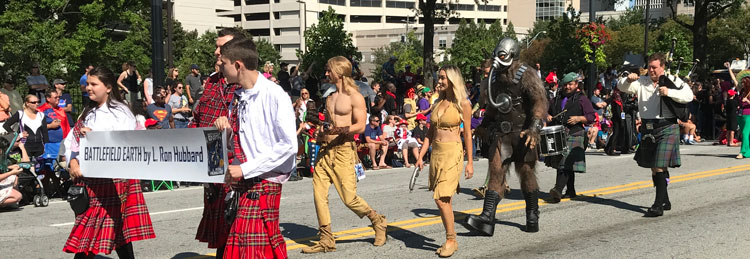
{"x":189,"y":155}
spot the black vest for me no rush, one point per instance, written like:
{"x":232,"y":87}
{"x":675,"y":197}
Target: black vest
{"x":572,"y":108}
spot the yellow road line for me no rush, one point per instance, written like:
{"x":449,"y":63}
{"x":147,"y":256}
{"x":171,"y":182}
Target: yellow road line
{"x":432,"y":220}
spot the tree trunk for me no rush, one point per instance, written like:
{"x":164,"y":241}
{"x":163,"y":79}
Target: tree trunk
{"x":700,"y":38}
{"x":428,"y":66}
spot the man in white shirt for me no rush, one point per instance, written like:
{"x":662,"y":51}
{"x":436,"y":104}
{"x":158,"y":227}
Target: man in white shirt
{"x":265,"y":145}
{"x":660,"y":144}
{"x":347,"y":117}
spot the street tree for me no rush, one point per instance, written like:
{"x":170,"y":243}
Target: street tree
{"x":564,"y":50}
{"x":408,"y":52}
{"x":705,"y":11}
{"x":325,"y":40}
{"x":471,"y":42}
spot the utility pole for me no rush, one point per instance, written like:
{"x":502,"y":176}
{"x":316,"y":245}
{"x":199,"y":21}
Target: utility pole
{"x":645,"y":32}
{"x":592,"y":77}
{"x":157,"y":45}
{"x":170,"y":28}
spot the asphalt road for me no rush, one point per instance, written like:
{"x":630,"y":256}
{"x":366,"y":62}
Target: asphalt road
{"x":708,"y":217}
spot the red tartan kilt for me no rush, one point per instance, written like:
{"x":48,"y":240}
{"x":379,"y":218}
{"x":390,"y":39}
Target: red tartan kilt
{"x":213,"y":228}
{"x":255,"y":231}
{"x":117,"y":215}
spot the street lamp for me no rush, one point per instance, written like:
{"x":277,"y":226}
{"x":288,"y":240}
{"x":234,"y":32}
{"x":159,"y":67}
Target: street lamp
{"x":302,"y":29}
{"x":528,"y":42}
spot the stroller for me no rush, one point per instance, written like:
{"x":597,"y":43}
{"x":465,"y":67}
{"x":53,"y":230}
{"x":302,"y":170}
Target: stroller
{"x":29,"y":182}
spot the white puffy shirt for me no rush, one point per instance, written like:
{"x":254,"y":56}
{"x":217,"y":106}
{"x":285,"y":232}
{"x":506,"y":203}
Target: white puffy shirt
{"x":649,"y":100}
{"x":267,"y":131}
{"x":103,"y":118}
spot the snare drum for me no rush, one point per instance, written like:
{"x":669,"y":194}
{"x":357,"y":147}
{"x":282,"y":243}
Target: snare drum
{"x":552,"y":141}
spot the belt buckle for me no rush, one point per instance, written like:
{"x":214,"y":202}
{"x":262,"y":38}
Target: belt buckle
{"x":650,"y":126}
{"x":505,"y":127}
{"x":253,"y":195}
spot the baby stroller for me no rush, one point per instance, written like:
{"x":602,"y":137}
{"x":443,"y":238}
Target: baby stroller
{"x":29,"y":182}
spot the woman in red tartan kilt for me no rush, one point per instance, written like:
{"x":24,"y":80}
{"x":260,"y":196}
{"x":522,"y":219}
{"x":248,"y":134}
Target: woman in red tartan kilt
{"x":117,"y":213}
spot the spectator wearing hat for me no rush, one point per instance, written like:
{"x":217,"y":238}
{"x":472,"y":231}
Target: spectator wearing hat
{"x":65,"y":102}
{"x":375,"y":139}
{"x":424,"y":104}
{"x":193,"y":85}
{"x":410,"y":108}
{"x":406,"y":142}
{"x":730,"y":112}
{"x":37,"y":82}
{"x":420,"y":131}
{"x":284,"y":82}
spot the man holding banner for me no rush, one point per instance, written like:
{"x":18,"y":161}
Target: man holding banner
{"x":264,"y":142}
{"x":214,"y":103}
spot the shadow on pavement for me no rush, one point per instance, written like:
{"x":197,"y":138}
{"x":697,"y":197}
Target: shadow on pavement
{"x":187,"y":255}
{"x":412,"y":239}
{"x":712,"y":155}
{"x":611,"y":202}
{"x":295,"y":231}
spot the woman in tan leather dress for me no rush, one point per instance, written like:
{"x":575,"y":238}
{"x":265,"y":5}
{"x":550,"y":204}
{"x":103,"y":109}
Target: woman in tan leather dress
{"x":450,"y":109}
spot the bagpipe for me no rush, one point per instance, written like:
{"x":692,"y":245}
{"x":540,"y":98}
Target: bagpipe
{"x":667,"y":80}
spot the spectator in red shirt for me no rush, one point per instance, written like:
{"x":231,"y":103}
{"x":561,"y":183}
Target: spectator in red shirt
{"x":57,"y":121}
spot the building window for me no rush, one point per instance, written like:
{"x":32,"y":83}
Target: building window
{"x":333,"y":2}
{"x":257,"y":17}
{"x":399,"y":19}
{"x":260,"y":32}
{"x":505,"y":21}
{"x":254,"y":2}
{"x":505,"y":8}
{"x":689,"y":3}
{"x":366,"y":3}
{"x":442,"y":43}
{"x":457,"y":7}
{"x":364,"y":19}
{"x":399,"y":4}
{"x":488,"y":8}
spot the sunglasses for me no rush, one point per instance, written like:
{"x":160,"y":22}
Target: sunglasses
{"x":36,"y":102}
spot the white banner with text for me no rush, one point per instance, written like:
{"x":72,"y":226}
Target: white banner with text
{"x":189,"y":155}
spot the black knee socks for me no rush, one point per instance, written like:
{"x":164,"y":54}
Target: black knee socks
{"x":125,"y":251}
{"x":220,"y":251}
{"x":660,"y":182}
{"x":571,"y":183}
{"x":562,"y":180}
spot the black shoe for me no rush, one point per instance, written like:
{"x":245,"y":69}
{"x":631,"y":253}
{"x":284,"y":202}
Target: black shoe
{"x":485,"y":222}
{"x":667,"y":206}
{"x":654,"y":211}
{"x":555,"y":194}
{"x":532,"y":211}
{"x":612,"y":153}
{"x":570,"y":195}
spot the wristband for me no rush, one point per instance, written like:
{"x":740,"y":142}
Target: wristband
{"x":536,"y":124}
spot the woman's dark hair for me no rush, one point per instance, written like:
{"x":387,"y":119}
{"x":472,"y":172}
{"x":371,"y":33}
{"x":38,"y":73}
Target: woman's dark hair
{"x":173,"y":85}
{"x":109,"y":80}
{"x":137,"y":108}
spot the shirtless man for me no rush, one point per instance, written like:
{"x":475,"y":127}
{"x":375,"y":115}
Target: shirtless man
{"x":347,"y":117}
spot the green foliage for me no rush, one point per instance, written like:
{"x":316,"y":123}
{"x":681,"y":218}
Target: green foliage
{"x":564,"y":50}
{"x":408,"y":53}
{"x":632,"y":16}
{"x":267,"y":52}
{"x":593,"y":38}
{"x":325,"y":40}
{"x":729,"y":37}
{"x":663,"y":41}
{"x":196,"y":50}
{"x":510,"y":31}
{"x":471,"y":38}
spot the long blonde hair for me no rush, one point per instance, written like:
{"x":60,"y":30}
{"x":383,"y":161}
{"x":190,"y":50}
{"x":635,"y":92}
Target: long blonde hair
{"x":457,"y":87}
{"x":342,"y":67}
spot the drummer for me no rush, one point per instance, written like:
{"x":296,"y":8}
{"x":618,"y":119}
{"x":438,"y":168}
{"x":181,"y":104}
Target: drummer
{"x":572,"y":110}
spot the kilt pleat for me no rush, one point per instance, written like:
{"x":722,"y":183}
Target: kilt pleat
{"x":575,"y":158}
{"x":117,"y":215}
{"x":213,"y":228}
{"x":255,"y":232}
{"x":663,"y":152}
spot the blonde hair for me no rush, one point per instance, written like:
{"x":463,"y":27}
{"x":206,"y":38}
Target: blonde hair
{"x":341,"y":67}
{"x":457,"y":87}
{"x":268,"y":67}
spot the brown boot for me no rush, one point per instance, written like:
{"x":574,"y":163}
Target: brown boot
{"x":379,"y":225}
{"x":449,"y":248}
{"x":326,"y":243}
